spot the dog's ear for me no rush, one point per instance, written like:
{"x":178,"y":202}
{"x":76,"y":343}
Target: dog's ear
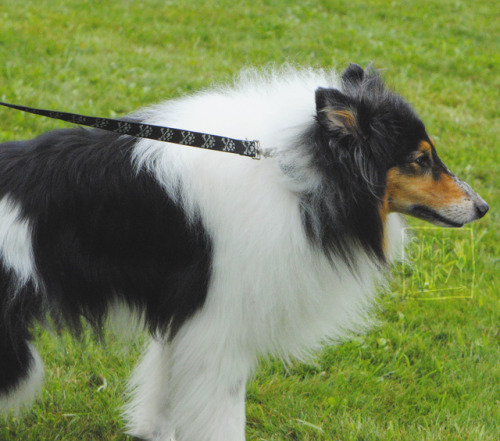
{"x":353,"y":75}
{"x":335,"y":112}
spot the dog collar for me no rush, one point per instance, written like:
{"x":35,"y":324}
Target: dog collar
{"x":250,"y":149}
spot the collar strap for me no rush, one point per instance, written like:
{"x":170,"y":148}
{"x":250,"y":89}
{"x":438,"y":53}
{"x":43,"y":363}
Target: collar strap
{"x":250,"y":149}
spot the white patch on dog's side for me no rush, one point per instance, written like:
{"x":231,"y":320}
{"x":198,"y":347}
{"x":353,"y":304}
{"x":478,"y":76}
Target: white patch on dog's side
{"x":27,"y":389}
{"x":15,"y":241}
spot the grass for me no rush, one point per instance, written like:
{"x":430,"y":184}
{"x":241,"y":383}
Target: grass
{"x":430,"y":371}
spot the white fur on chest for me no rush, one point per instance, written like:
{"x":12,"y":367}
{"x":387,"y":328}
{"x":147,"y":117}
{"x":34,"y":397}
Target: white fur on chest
{"x":266,"y":275}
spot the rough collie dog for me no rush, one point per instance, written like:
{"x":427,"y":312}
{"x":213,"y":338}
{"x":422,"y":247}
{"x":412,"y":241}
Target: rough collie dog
{"x":225,"y":259}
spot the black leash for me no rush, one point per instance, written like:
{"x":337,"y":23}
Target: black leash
{"x":250,"y":149}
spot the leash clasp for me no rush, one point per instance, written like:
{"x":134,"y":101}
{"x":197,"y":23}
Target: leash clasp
{"x":258,"y":150}
{"x":259,"y":153}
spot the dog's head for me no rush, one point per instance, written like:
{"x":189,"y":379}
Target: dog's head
{"x":375,"y":129}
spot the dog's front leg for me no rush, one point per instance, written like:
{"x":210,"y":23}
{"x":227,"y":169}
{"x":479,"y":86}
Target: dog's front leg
{"x":209,"y":370}
{"x":190,"y":389}
{"x":145,"y":413}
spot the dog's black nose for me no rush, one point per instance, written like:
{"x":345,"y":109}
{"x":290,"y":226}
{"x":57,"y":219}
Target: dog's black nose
{"x":482,"y":209}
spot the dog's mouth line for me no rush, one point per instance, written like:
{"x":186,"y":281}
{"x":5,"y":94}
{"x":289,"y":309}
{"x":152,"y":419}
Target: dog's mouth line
{"x":428,"y":214}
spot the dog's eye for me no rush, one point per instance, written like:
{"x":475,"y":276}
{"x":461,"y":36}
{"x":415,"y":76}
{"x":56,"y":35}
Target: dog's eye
{"x":423,"y":161}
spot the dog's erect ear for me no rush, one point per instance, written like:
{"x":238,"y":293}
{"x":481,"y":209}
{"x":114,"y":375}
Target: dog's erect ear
{"x":353,"y":75}
{"x":335,"y":112}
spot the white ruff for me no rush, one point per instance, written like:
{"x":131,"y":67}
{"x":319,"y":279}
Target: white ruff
{"x":27,"y":390}
{"x":271,"y":291}
{"x":16,"y":250}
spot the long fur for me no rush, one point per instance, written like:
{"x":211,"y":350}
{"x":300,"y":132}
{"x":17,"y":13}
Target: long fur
{"x":225,"y":259}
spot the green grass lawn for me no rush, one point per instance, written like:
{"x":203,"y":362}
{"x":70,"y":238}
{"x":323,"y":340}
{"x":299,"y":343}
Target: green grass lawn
{"x":431,"y":369}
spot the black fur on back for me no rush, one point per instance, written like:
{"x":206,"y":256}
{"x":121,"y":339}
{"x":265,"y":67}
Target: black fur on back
{"x":360,"y":132}
{"x":102,"y":231}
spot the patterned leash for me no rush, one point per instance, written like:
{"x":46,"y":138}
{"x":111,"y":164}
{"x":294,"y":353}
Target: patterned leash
{"x":249,"y":149}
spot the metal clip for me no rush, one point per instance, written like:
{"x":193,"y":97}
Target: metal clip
{"x":258,"y":150}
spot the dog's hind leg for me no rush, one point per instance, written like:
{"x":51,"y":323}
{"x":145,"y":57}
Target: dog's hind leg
{"x":21,"y":372}
{"x":21,"y":369}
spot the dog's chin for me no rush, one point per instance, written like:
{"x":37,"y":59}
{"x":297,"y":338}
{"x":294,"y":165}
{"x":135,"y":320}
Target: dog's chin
{"x":429,"y":215}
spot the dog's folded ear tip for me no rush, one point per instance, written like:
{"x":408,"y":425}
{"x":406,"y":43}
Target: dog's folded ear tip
{"x":355,"y":67}
{"x":353,"y":74}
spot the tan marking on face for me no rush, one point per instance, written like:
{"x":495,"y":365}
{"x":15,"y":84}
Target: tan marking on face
{"x":425,"y":147}
{"x":404,"y":190}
